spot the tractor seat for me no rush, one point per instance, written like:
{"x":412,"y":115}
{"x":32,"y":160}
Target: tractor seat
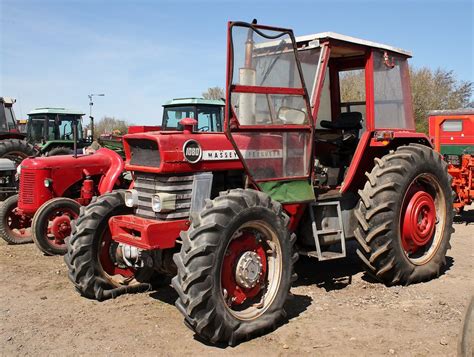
{"x":347,"y":121}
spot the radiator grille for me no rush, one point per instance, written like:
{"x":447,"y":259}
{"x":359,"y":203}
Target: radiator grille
{"x":149,"y":184}
{"x":27,"y":187}
{"x":144,"y":152}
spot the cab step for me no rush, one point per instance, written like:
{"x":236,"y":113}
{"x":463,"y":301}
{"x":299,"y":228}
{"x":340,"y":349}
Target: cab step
{"x":327,"y":225}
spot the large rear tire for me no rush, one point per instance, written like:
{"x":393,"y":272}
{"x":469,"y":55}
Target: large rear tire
{"x":90,"y":257}
{"x":16,"y":150}
{"x":52,"y":224}
{"x":405,"y":216}
{"x":235,"y":267}
{"x":15,"y":227}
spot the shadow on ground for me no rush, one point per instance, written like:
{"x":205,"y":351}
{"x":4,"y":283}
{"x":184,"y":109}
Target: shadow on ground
{"x":466,"y":217}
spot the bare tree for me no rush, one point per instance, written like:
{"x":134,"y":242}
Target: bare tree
{"x":214,"y":93}
{"x":111,"y":125}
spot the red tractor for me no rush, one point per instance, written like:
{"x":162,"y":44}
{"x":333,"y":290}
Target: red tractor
{"x":52,"y":189}
{"x":13,"y":144}
{"x":452,"y":132}
{"x":317,"y":171}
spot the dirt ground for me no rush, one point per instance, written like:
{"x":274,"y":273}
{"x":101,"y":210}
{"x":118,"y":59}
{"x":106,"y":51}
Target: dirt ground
{"x":336,"y":311}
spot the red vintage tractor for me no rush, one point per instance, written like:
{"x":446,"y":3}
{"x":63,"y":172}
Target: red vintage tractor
{"x":317,"y":170}
{"x":52,"y":189}
{"x":452,"y":132}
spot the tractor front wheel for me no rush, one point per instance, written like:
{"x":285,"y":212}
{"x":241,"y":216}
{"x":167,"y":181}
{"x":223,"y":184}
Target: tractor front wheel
{"x":52,"y":225}
{"x":235,"y":267}
{"x":92,"y":254}
{"x":405,"y":216}
{"x":15,"y":226}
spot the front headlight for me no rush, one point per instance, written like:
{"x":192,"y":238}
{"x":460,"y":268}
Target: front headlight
{"x":18,"y":170}
{"x":163,"y":202}
{"x":156,"y":203}
{"x":48,"y":182}
{"x":131,"y":198}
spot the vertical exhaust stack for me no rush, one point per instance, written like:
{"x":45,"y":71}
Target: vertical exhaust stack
{"x":247,"y":77}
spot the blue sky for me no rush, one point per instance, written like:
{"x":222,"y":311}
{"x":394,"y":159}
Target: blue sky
{"x":142,"y":53}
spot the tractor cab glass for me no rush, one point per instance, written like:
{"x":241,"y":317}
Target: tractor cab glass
{"x":359,"y":88}
{"x":269,"y":117}
{"x":53,"y":127}
{"x":209,"y":117}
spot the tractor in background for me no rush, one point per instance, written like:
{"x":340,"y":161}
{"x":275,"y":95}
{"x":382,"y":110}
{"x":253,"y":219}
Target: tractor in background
{"x":51,"y":131}
{"x":302,"y":171}
{"x":13,"y":144}
{"x":452,"y":132}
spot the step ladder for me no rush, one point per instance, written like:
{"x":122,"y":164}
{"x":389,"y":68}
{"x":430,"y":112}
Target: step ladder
{"x":318,"y":234}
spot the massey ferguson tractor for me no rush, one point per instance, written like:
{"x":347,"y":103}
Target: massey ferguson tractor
{"x":452,"y":132}
{"x":302,"y":172}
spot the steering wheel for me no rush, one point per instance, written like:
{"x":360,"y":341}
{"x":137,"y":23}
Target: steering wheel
{"x":204,"y":128}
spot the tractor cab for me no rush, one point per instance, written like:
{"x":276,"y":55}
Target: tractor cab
{"x":51,"y":128}
{"x":7,"y":117}
{"x":333,"y":106}
{"x":207,"y":112}
{"x":360,"y":97}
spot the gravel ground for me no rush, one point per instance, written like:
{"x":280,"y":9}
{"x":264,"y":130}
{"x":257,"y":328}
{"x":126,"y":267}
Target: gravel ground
{"x":337,"y":310}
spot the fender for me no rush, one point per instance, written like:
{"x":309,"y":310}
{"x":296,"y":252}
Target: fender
{"x":116,"y":167}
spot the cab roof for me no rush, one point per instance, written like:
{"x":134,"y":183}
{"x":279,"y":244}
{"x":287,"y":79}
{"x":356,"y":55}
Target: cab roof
{"x":324,"y":36}
{"x":194,"y":101}
{"x":461,"y":111}
{"x":49,"y":110}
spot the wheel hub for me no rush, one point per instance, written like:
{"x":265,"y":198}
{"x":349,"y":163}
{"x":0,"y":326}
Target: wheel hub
{"x":248,"y":270}
{"x":419,"y":221}
{"x":244,"y":268}
{"x":61,"y":227}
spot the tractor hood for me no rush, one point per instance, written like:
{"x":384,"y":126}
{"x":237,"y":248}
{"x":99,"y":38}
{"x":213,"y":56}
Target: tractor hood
{"x":98,"y":162}
{"x":179,"y":152}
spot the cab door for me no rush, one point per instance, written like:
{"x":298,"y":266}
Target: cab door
{"x":268,"y":115}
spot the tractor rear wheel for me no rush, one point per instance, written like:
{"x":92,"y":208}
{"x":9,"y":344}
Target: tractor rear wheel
{"x":92,"y":254}
{"x":405,"y":216}
{"x":15,"y":227}
{"x":235,"y":267}
{"x":52,"y":225}
{"x":16,"y":150}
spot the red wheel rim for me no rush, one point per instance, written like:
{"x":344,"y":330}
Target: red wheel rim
{"x":245,"y":255}
{"x":422,"y":219}
{"x":18,"y":223}
{"x":419,"y":221}
{"x":59,"y":226}
{"x":107,"y":252}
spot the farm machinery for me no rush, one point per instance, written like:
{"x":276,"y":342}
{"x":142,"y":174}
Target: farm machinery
{"x":51,"y":130}
{"x":13,"y":145}
{"x":301,"y":172}
{"x":453,"y":135}
{"x":52,"y":190}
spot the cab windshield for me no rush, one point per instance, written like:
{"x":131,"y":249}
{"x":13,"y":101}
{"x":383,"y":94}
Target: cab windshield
{"x":53,"y":127}
{"x":209,"y":117}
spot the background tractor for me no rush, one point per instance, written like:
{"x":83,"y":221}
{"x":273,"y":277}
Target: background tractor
{"x":13,"y":145}
{"x":452,"y":132}
{"x":52,"y":189}
{"x":301,"y":172}
{"x":51,"y":130}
